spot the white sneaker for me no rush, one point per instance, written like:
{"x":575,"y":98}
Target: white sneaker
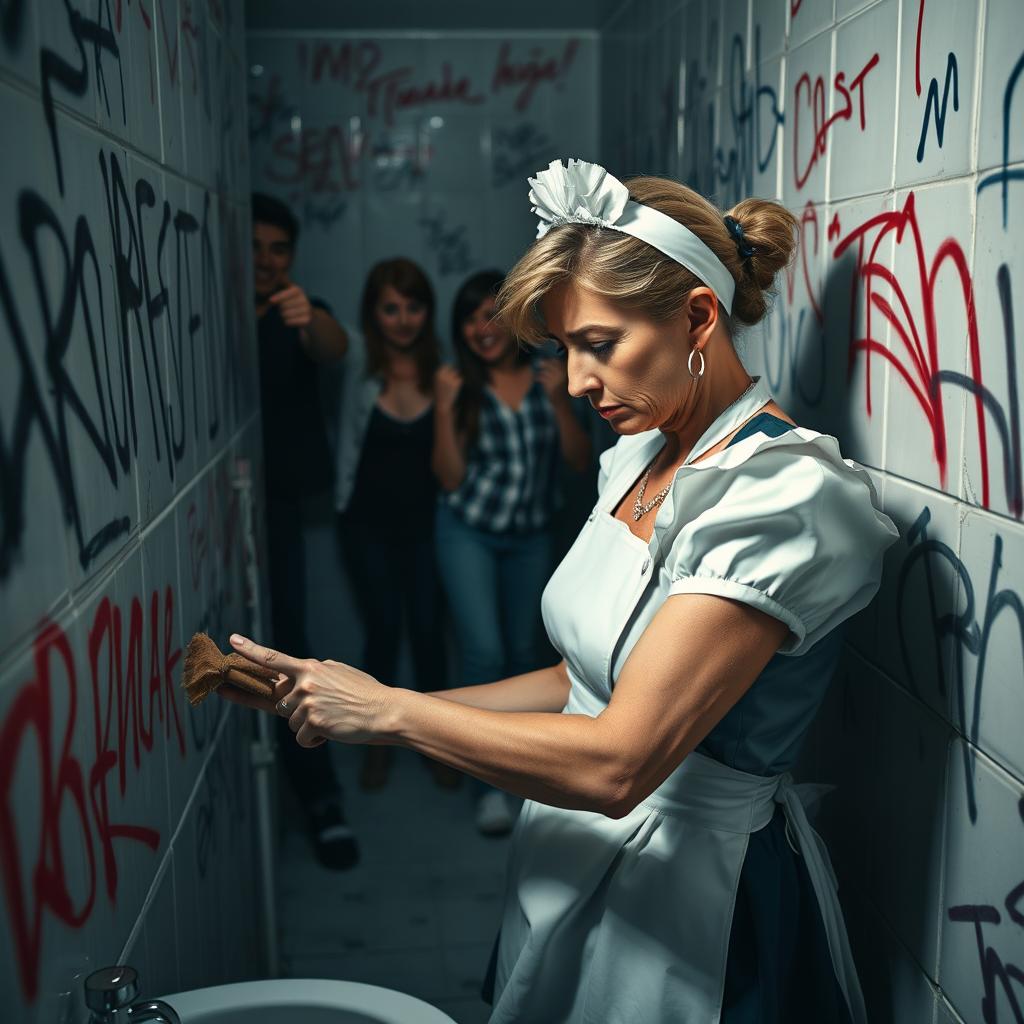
{"x":493,"y":814}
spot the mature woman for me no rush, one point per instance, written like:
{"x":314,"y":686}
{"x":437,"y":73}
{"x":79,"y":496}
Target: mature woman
{"x":501,"y":427}
{"x":385,"y":493}
{"x":662,"y":869}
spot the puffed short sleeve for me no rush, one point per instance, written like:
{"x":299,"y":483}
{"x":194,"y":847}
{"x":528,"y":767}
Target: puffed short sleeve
{"x":797,"y":536}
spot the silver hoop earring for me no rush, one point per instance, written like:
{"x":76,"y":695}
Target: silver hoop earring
{"x":689,"y":363}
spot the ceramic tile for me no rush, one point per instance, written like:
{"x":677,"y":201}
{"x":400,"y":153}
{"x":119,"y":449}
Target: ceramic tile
{"x":905,"y":860}
{"x":861,"y":110}
{"x":171,"y":59}
{"x":857,"y":370}
{"x":989,"y":701}
{"x":981,"y":937}
{"x":36,"y":542}
{"x":932,"y":267}
{"x":999,"y":143}
{"x":808,"y":102}
{"x":808,"y":18}
{"x":19,"y":48}
{"x":992,"y":433}
{"x":935,"y":104}
{"x":921,"y":588}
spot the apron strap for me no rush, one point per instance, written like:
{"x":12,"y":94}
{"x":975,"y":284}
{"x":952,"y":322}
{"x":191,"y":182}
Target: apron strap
{"x":816,"y":859}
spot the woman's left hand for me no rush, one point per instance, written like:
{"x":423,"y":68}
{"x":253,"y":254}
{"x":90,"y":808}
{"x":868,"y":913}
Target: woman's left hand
{"x":322,"y":700}
{"x":553,"y":375}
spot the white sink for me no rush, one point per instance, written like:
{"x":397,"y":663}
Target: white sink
{"x":302,"y":1001}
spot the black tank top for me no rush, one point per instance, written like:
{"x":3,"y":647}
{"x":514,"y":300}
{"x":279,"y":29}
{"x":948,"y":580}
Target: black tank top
{"x":395,"y":488}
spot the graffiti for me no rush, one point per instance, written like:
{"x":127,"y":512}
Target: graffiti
{"x":320,"y":160}
{"x":916,"y":360}
{"x":131,"y":694}
{"x":528,"y":75}
{"x":112,"y":431}
{"x":449,"y":244}
{"x":959,"y":630}
{"x":994,"y":968}
{"x":220,"y":799}
{"x":932,"y":104}
{"x":1005,"y":175}
{"x":798,"y":344}
{"x":74,"y":79}
{"x":812,"y":95}
{"x":517,"y":151}
{"x":12,"y":23}
{"x":755,"y":131}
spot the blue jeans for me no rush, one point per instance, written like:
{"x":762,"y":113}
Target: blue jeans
{"x":493,"y":582}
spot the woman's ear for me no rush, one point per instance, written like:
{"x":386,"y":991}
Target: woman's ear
{"x":702,"y":315}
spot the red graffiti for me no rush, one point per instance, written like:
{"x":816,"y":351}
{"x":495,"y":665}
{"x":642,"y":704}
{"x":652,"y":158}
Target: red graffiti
{"x":131,"y":694}
{"x":349,"y":63}
{"x":321,"y":159}
{"x":918,"y":365}
{"x":808,"y":219}
{"x":528,"y":75}
{"x":388,"y":93}
{"x":171,"y":55}
{"x":917,"y":48}
{"x":190,"y":37}
{"x":814,"y":96}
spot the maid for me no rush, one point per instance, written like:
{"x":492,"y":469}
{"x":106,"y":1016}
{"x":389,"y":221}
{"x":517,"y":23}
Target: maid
{"x":662,"y":868}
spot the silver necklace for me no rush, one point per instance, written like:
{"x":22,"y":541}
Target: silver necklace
{"x":639,"y":508}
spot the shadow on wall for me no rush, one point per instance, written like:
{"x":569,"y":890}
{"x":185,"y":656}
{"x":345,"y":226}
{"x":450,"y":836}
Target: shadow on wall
{"x":883,"y":822}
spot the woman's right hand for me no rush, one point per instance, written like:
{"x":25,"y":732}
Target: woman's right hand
{"x":447,"y":385}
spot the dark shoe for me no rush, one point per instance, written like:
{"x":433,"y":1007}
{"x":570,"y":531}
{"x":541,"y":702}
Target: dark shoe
{"x":376,"y":768}
{"x":333,"y":839}
{"x":493,"y":814}
{"x":446,"y":776}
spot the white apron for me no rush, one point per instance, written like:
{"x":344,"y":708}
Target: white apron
{"x":628,"y":921}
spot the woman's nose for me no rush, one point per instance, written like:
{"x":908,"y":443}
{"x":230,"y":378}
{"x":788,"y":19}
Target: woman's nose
{"x":581,"y":378}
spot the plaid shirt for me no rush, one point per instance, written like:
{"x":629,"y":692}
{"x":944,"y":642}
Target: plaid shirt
{"x":510,"y":482}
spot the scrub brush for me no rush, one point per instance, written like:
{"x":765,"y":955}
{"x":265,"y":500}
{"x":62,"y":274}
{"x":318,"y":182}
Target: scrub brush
{"x":206,"y":669}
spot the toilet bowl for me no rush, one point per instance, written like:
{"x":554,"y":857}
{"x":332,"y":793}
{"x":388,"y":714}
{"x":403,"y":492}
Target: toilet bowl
{"x":302,"y":1001}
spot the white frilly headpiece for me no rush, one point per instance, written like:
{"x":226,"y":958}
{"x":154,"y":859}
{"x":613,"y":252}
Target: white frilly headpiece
{"x":585,"y":193}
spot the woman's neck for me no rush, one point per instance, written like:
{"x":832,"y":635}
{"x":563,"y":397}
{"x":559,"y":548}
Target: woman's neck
{"x":401,"y":367}
{"x":709,"y":397}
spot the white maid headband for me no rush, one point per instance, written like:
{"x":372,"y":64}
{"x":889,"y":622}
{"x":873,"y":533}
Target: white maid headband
{"x":585,"y":193}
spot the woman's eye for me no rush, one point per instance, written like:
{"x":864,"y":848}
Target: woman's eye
{"x":601,"y":347}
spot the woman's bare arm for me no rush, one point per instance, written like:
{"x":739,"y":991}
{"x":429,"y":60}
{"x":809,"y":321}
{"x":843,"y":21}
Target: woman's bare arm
{"x":547,"y":690}
{"x":698,"y":656}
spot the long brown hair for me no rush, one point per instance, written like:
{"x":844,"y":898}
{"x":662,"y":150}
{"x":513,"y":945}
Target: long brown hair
{"x":474,"y":291}
{"x":410,"y":281}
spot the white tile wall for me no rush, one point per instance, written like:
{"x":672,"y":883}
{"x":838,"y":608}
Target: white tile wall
{"x":896,"y":330}
{"x":100,"y":756}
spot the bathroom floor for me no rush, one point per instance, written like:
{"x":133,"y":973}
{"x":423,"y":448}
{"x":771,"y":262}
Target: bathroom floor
{"x":418,"y":913}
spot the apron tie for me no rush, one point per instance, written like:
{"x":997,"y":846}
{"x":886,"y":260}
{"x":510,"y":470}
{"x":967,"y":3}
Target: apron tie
{"x":809,"y":845}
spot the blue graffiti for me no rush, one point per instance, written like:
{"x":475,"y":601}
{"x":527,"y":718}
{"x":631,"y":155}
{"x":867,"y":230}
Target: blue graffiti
{"x":932,"y":103}
{"x":1004,"y":175}
{"x":755,"y":129}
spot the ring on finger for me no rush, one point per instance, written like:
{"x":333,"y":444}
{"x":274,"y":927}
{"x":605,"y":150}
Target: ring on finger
{"x":282,"y":706}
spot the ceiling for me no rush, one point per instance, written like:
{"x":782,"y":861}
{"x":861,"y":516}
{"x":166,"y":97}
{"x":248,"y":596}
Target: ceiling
{"x":429,"y":15}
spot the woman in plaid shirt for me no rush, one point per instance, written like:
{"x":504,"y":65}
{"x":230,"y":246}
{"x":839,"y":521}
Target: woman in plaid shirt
{"x":500,"y":428}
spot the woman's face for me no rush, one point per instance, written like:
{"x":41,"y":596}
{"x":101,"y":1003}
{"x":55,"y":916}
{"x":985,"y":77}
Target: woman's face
{"x":630,"y":368}
{"x":399,"y":318}
{"x":485,"y":336}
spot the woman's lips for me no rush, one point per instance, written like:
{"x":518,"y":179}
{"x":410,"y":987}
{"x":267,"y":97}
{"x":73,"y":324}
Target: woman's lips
{"x":608,"y":411}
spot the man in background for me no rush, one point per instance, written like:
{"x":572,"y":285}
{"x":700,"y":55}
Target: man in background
{"x":295,"y":333}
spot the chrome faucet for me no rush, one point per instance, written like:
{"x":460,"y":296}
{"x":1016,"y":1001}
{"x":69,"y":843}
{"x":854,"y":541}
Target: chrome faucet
{"x":110,"y":994}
